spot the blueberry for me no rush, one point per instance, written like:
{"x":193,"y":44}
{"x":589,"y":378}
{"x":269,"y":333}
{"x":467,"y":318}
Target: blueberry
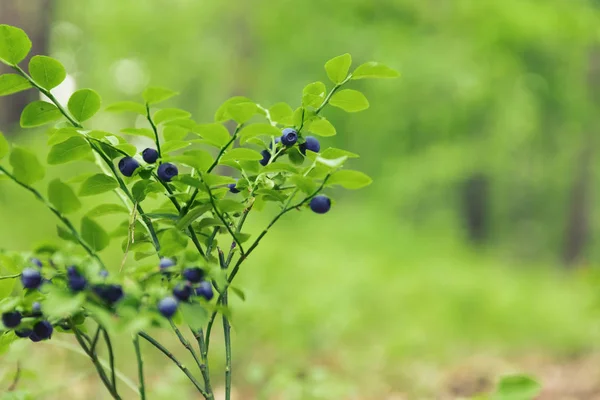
{"x":11,"y":319}
{"x":289,"y":137}
{"x":36,"y":261}
{"x":205,"y":290}
{"x":167,"y":307}
{"x":36,"y":309}
{"x":311,"y":144}
{"x":166,"y":262}
{"x":193,"y":275}
{"x":72,"y":271}
{"x":103,"y":273}
{"x":23,"y":333}
{"x":128,"y":165}
{"x":31,"y":278}
{"x":43,"y":330}
{"x":150,"y":155}
{"x":34,"y":338}
{"x":109,"y":293}
{"x":320,"y":204}
{"x":167,"y":171}
{"x":232,"y":188}
{"x":182,"y":292}
{"x":77,"y":283}
{"x":266,"y":157}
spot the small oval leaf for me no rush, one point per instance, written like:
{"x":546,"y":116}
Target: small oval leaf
{"x":349,"y":100}
{"x":39,"y":113}
{"x":84,"y":103}
{"x":46,"y":71}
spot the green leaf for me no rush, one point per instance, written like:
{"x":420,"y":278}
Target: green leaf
{"x":46,"y":71}
{"x":278,"y":166}
{"x":337,"y":68}
{"x":170,"y":114}
{"x":349,"y":100}
{"x":127,"y":106}
{"x":4,"y":146}
{"x":84,"y":103}
{"x":74,"y":148}
{"x":254,"y":130}
{"x":194,"y":315}
{"x":240,"y":153}
{"x":174,"y":133}
{"x":229,"y":205}
{"x":517,"y":387}
{"x":304,"y":183}
{"x":374,"y":69}
{"x":349,"y":179}
{"x":238,"y":292}
{"x":172,"y":242}
{"x":174,"y":145}
{"x":39,"y":113}
{"x":62,"y":197}
{"x":332,"y":163}
{"x":321,"y":127}
{"x":105,"y":209}
{"x":153,"y":95}
{"x":59,"y":303}
{"x":242,"y":112}
{"x":127,"y":148}
{"x":93,"y":234}
{"x":13,"y":83}
{"x":216,"y":134}
{"x":198,"y":159}
{"x":62,"y":134}
{"x":14,"y":44}
{"x":332,"y":153}
{"x":145,"y":132}
{"x":193,"y":215}
{"x":298,"y":116}
{"x":280,"y":112}
{"x":26,"y":167}
{"x":222,"y":113}
{"x":313,"y":94}
{"x":97,"y":184}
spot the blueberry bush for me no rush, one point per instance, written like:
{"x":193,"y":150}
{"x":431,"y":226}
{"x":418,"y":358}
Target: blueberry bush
{"x":180,"y":258}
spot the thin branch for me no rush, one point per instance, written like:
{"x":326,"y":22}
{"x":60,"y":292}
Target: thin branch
{"x":16,"y":379}
{"x":10,"y":276}
{"x":140,"y":363}
{"x":154,"y":129}
{"x":111,"y":357}
{"x":204,"y":367}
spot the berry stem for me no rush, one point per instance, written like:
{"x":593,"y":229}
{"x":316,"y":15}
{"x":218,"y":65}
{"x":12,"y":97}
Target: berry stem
{"x":140,"y":363}
{"x":204,"y":368}
{"x":182,"y":367}
{"x":10,"y":276}
{"x":111,"y":357}
{"x":58,"y":214}
{"x":154,"y":129}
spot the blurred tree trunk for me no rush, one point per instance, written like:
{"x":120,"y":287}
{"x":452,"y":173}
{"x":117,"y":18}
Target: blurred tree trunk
{"x":475,"y":200}
{"x":34,"y":17}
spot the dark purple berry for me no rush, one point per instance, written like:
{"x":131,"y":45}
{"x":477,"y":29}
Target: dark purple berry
{"x":205,"y":290}
{"x":166,"y":262}
{"x":182,"y":292}
{"x":34,"y":338}
{"x":43,"y":330}
{"x":167,"y":171}
{"x":289,"y":137}
{"x":11,"y":319}
{"x":36,"y":261}
{"x":31,"y":278}
{"x":232,"y":188}
{"x":109,"y":293}
{"x":36,"y":309}
{"x":320,"y":204}
{"x":193,"y":275}
{"x":23,"y":333}
{"x":167,"y":307}
{"x":266,"y":157}
{"x":311,"y":144}
{"x":128,"y":165}
{"x":77,"y":283}
{"x":150,"y":155}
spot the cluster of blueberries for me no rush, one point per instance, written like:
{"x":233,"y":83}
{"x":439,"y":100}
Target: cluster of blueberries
{"x":41,"y":330}
{"x":288,"y":138}
{"x":194,"y":284}
{"x":165,"y":171}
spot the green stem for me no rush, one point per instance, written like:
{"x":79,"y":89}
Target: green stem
{"x":204,"y":368}
{"x":58,"y":214}
{"x":10,"y":276}
{"x":186,"y":344}
{"x":227,"y":336}
{"x":154,"y":129}
{"x":140,"y":363}
{"x":182,"y":367}
{"x":111,"y":358}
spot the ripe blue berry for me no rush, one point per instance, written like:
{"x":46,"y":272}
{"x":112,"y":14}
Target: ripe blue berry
{"x":167,"y":307}
{"x":320,"y":204}
{"x":193,"y":275}
{"x":128,"y":165}
{"x":36,"y":309}
{"x":31,"y":278}
{"x":43,"y":330}
{"x":36,"y":261}
{"x":289,"y":137}
{"x":109,"y":293}
{"x":311,"y":144}
{"x":34,"y":338}
{"x":150,"y":155}
{"x":11,"y":319}
{"x":23,"y":333}
{"x":182,"y":292}
{"x":266,"y":157}
{"x":166,"y":262}
{"x":205,"y":290}
{"x":77,"y":283}
{"x":167,"y":171}
{"x":232,"y":188}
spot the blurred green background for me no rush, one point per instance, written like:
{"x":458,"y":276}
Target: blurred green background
{"x":471,"y":255}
